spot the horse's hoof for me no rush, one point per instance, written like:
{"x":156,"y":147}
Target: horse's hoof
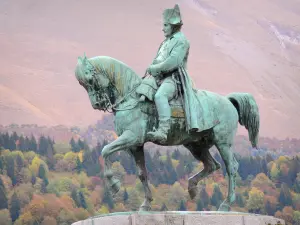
{"x":145,"y":208}
{"x":193,"y":192}
{"x":115,"y":187}
{"x":224,"y":207}
{"x":192,"y":188}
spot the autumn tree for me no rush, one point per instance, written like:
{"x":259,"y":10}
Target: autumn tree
{"x":5,"y":217}
{"x":255,"y":203}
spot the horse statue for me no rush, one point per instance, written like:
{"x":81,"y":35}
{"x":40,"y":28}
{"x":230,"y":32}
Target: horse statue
{"x":111,"y":86}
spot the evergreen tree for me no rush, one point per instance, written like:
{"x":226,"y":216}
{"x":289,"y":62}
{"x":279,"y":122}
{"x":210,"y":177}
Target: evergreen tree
{"x":164,"y":207}
{"x":21,"y":145}
{"x":78,"y":165}
{"x":1,"y":163}
{"x":171,"y":176}
{"x":239,"y":200}
{"x":12,"y":141}
{"x":15,"y":207}
{"x":125,"y":197}
{"x":74,"y":146}
{"x":176,"y":154}
{"x":10,"y":163}
{"x":217,"y":197}
{"x":33,"y":180}
{"x":91,"y":163}
{"x":50,"y":157}
{"x":19,"y":163}
{"x":6,"y":140}
{"x":148,"y":162}
{"x":75,"y":198}
{"x":43,"y":145}
{"x":285,"y":197}
{"x":269,"y":210}
{"x":107,"y":198}
{"x":1,"y":140}
{"x":27,"y":144}
{"x":204,"y":197}
{"x":200,"y":205}
{"x":182,"y":206}
{"x":1,"y":183}
{"x":42,"y":172}
{"x":3,"y":198}
{"x":33,"y":144}
{"x":82,"y":200}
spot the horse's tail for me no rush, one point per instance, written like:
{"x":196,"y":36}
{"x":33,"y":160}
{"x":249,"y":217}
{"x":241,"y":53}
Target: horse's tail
{"x":248,"y":112}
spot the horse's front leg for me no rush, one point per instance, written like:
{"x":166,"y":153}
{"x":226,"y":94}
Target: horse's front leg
{"x":127,"y":140}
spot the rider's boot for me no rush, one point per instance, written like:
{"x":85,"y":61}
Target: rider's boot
{"x":164,"y":114}
{"x":161,"y":134}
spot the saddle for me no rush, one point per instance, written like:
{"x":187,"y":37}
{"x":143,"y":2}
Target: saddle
{"x":177,"y":111}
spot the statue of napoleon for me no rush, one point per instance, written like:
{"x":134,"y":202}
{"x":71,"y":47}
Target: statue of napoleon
{"x":205,"y":119}
{"x":168,"y":70}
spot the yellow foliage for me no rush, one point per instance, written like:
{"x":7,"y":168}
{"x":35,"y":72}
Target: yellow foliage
{"x":14,"y":154}
{"x":5,"y":152}
{"x":175,"y":163}
{"x":119,"y":207}
{"x":25,"y":219}
{"x":103,"y":210}
{"x":282,"y":159}
{"x":70,"y":156}
{"x":80,"y":155}
{"x":35,"y":165}
{"x":29,"y":156}
{"x":163,"y":158}
{"x":58,"y":157}
{"x":256,"y":199}
{"x":5,"y":217}
{"x":274,"y":171}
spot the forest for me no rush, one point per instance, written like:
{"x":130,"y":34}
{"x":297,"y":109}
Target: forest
{"x":49,"y":183}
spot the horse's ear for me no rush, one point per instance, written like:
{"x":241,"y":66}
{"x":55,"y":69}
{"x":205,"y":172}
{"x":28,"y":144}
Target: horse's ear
{"x":84,"y":60}
{"x":79,"y":60}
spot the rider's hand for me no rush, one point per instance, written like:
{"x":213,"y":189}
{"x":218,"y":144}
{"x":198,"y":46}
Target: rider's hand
{"x":152,"y":70}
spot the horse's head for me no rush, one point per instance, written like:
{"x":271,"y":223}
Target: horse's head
{"x":95,"y":82}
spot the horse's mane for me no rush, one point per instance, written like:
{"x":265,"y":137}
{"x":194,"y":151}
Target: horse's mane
{"x":121,"y":75}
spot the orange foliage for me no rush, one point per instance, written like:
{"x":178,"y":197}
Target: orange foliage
{"x":191,"y":206}
{"x":67,"y":202}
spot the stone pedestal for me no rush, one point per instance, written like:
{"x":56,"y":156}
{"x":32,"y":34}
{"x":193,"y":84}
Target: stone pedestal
{"x":181,"y":218}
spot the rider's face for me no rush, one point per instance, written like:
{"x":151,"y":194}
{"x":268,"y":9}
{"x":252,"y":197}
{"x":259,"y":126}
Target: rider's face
{"x":167,"y":29}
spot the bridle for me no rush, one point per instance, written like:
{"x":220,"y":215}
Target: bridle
{"x":105,"y":101}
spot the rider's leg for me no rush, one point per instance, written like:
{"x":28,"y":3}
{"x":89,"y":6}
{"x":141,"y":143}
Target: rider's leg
{"x":162,"y":97}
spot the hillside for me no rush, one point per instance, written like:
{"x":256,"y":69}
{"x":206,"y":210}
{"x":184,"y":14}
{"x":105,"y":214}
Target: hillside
{"x":236,"y":46}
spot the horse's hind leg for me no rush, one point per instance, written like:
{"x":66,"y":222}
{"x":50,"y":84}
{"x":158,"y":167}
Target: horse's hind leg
{"x":231,"y":168}
{"x":139,"y":157}
{"x":201,"y":153}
